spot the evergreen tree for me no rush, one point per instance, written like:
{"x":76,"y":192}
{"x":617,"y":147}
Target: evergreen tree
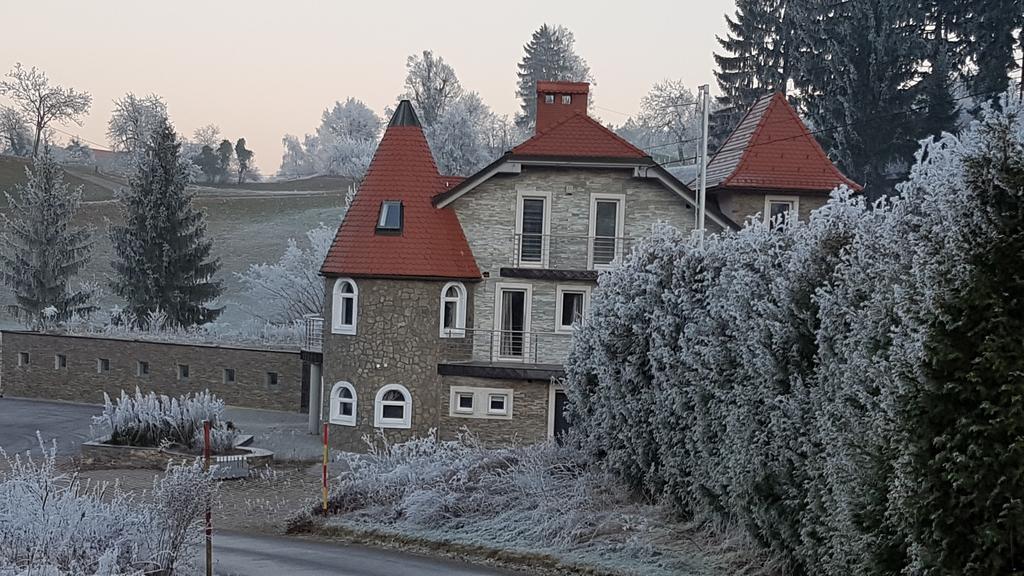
{"x":40,"y":251}
{"x":244,"y":156}
{"x":549,"y":56}
{"x":966,"y":424}
{"x":761,"y":57}
{"x":162,"y":257}
{"x":224,"y":152}
{"x":987,"y":43}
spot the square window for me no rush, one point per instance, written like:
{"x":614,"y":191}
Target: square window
{"x":393,"y":411}
{"x":497,"y":404}
{"x":142,"y":368}
{"x":572,"y":309}
{"x":390,"y":216}
{"x":229,"y":375}
{"x":271,"y":378}
{"x":566,"y":98}
{"x":102,"y":365}
{"x":549,"y":98}
{"x":183,"y":372}
{"x":60,"y":361}
{"x":778,"y":209}
{"x":23,"y":359}
{"x":464,"y":402}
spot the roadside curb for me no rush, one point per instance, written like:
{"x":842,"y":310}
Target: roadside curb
{"x":534,"y":563}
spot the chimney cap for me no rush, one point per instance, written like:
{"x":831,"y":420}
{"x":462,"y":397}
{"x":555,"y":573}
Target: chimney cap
{"x":404,"y":115}
{"x":558,"y":87}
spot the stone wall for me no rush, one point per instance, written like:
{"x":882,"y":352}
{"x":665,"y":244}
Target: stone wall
{"x":740,"y":205}
{"x":81,"y":379}
{"x":529,"y":422}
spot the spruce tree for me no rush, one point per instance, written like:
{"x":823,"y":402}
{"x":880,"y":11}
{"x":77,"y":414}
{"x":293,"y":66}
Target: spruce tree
{"x":967,"y":422}
{"x":987,"y":43}
{"x":40,"y":251}
{"x":162,"y":258}
{"x":549,"y":56}
{"x":760,"y":57}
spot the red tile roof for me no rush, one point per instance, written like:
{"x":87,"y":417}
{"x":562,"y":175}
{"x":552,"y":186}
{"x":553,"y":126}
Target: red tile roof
{"x":431,"y":243}
{"x":580,"y":136}
{"x":549,"y":87}
{"x":771,"y":149}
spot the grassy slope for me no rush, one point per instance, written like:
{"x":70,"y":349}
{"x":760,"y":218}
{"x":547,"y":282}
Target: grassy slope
{"x":12,"y":173}
{"x":316,"y":183}
{"x":246,"y":230}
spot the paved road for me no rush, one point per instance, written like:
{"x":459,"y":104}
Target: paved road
{"x":68,"y":423}
{"x":237,"y":554}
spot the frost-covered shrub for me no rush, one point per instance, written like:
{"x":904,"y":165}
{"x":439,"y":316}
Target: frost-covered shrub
{"x":844,"y":389}
{"x":157,"y":420}
{"x":54,"y":524}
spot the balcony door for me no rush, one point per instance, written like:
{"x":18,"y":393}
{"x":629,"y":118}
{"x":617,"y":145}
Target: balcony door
{"x":533,"y":221}
{"x":606,"y":229}
{"x":513,"y":320}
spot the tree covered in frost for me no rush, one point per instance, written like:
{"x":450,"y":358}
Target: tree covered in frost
{"x":668,"y":125}
{"x":40,"y":103}
{"x":431,"y":84}
{"x":134,"y":120}
{"x":342,"y":145}
{"x":469,"y":136}
{"x":290,"y":288}
{"x":15,"y":136}
{"x":162,"y":257}
{"x":41,"y":251}
{"x":847,"y":389}
{"x":548,"y":56}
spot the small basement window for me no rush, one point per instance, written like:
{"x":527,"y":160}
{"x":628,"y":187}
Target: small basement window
{"x":464,"y":402}
{"x":497,"y":404}
{"x":390,"y":216}
{"x":271,"y":378}
{"x":183,"y":372}
{"x":142,"y":368}
{"x":60,"y":361}
{"x":102,"y":365}
{"x":229,"y":375}
{"x":23,"y":359}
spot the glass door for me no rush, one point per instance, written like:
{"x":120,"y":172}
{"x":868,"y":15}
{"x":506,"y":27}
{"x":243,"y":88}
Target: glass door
{"x":606,"y":241}
{"x":513,"y":324}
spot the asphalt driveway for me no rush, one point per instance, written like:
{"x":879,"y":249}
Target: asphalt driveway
{"x":68,"y":423}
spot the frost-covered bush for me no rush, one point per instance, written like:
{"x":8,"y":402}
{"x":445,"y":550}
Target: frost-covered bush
{"x":121,"y":324}
{"x":52,"y":523}
{"x":157,"y":420}
{"x":845,"y":389}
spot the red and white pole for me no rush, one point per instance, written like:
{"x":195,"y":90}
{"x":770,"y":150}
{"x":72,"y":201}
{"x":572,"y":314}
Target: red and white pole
{"x":324,"y":483}
{"x":209,"y":516}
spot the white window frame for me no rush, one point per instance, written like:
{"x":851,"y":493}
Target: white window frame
{"x":794,"y":201}
{"x":527,"y":317}
{"x":24,"y":358}
{"x":457,"y":396}
{"x":138,"y":368}
{"x":620,"y":229}
{"x":100,"y":365}
{"x":553,"y":388}
{"x":379,"y":421}
{"x":459,"y":331}
{"x":545,"y":251}
{"x":566,"y":98}
{"x":549,"y":98}
{"x":481,"y":402}
{"x":57,"y":362}
{"x":574,"y":289}
{"x":336,"y":417}
{"x":337,"y":310}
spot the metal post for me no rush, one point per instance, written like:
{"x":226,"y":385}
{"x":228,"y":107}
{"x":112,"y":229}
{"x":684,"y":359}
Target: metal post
{"x":323,"y":489}
{"x":704,"y":92}
{"x":209,"y":516}
{"x":315,"y":401}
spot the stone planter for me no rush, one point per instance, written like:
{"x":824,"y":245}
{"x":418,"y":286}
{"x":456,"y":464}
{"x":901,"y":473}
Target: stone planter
{"x":100,"y":454}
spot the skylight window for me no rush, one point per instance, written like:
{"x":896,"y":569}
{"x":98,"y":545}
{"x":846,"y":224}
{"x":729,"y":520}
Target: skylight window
{"x":390,"y":216}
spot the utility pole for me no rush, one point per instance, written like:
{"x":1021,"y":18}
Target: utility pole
{"x":702,"y":166}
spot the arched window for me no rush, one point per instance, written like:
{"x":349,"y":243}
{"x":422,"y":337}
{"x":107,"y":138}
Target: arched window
{"x":345,"y":306}
{"x":393,"y":407}
{"x":343,"y":404}
{"x":453,"y":310}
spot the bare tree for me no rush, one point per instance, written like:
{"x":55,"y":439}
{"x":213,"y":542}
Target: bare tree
{"x":208,"y":135}
{"x":432,"y":85}
{"x":134,"y":119}
{"x":41,"y":103}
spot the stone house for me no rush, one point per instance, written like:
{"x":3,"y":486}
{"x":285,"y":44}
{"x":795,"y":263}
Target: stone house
{"x":452,"y":302}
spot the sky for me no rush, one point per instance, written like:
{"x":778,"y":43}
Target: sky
{"x":260,"y":69}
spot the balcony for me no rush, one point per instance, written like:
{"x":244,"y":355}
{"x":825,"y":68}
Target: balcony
{"x":568,"y":252}
{"x":541,"y":352}
{"x":313,"y":333}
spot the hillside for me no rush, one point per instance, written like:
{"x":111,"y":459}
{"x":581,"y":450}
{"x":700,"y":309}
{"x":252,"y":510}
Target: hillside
{"x":94,"y":186}
{"x":311,"y":184}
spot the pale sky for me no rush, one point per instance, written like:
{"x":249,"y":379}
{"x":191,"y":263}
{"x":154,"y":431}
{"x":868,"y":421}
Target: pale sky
{"x":261,"y":69}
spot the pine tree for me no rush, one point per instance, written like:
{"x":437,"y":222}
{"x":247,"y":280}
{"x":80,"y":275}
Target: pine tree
{"x":761,"y":57}
{"x":966,"y":423}
{"x":986,"y":31}
{"x":548,"y":56}
{"x":40,"y":251}
{"x":162,"y":258}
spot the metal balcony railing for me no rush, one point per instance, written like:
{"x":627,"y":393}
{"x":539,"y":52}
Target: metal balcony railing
{"x":313,"y":333}
{"x":567,"y":252}
{"x":506,"y":346}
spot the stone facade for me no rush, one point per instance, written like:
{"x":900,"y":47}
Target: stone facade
{"x":529,"y":422}
{"x":81,"y":378}
{"x":739,"y":206}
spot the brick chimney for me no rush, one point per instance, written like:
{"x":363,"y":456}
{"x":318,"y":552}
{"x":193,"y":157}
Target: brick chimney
{"x":556,"y":101}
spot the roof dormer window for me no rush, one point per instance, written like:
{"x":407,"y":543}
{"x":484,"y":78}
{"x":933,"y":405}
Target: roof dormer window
{"x":549,"y":98}
{"x":566,"y":98}
{"x":390,"y":216}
